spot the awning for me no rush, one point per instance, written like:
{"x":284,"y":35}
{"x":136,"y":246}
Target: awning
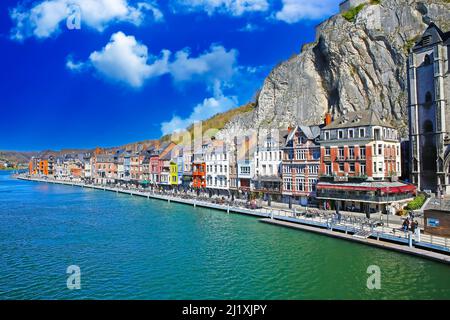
{"x":397,"y":189}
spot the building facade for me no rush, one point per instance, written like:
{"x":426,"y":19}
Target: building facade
{"x":360,"y":162}
{"x":429,"y":118}
{"x":300,"y":165}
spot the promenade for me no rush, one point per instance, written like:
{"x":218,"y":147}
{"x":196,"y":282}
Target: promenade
{"x":350,"y":226}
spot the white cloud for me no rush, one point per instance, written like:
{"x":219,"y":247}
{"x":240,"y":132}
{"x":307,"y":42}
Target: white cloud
{"x":217,"y":63}
{"x":296,"y":10}
{"x":44,"y":19}
{"x":249,"y":27}
{"x":208,"y":108}
{"x":233,"y":7}
{"x":126,"y":60}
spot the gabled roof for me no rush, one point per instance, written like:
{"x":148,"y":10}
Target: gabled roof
{"x":310,"y":132}
{"x":358,"y":119}
{"x":436,"y":35}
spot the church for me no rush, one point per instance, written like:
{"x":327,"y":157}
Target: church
{"x":429,"y":113}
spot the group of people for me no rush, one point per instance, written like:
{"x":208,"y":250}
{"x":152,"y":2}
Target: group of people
{"x":410,"y":224}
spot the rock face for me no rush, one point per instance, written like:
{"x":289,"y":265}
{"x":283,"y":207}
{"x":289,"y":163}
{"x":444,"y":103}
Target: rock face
{"x":351,"y":66}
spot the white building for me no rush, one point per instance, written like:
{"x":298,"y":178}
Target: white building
{"x":217,"y":159}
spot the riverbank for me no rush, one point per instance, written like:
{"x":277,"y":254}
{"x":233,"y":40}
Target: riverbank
{"x":424,"y":246}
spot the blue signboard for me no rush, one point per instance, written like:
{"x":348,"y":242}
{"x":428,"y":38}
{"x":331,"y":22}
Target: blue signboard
{"x":431,"y":222}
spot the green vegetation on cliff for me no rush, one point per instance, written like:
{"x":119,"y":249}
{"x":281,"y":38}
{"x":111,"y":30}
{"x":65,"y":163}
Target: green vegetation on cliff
{"x":217,"y":122}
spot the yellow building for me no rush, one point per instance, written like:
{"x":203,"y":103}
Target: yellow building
{"x":173,"y":173}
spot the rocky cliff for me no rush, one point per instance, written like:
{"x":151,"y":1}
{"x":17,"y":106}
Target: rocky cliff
{"x":355,"y":63}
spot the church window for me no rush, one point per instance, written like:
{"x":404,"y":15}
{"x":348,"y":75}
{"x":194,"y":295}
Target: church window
{"x":427,"y":60}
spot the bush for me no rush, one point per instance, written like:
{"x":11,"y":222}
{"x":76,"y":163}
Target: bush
{"x":417,"y":203}
{"x":351,"y":14}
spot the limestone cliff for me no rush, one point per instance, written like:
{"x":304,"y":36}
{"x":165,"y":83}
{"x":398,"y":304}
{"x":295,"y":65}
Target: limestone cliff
{"x":354,"y":64}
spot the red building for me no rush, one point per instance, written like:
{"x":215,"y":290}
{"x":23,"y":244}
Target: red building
{"x":300,"y":164}
{"x":199,"y":175}
{"x":360,"y":162}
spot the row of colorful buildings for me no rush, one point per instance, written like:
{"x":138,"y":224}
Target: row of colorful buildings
{"x":353,"y":161}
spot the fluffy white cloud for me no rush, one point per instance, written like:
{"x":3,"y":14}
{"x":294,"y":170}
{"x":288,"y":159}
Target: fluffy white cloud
{"x":43,"y":19}
{"x":217,"y":63}
{"x":208,"y":108}
{"x":233,"y":7}
{"x":296,"y":10}
{"x":126,"y":60}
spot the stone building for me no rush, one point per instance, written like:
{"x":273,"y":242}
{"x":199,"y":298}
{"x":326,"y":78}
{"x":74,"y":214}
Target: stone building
{"x":360,"y":162}
{"x":300,"y":164}
{"x":429,"y":119}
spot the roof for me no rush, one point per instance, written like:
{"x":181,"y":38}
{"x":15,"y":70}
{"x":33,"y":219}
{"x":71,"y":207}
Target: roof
{"x":438,"y":204}
{"x":437,"y":36}
{"x":358,"y":119}
{"x":167,"y":156}
{"x":311,"y":132}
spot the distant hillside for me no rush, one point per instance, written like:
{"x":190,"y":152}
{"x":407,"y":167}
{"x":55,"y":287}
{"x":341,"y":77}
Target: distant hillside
{"x":217,"y":122}
{"x":16,"y":156}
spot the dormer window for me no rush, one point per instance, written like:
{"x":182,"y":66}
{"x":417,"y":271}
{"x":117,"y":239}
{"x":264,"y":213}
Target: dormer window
{"x":340,"y":134}
{"x":327,"y":135}
{"x":362,"y":132}
{"x":351,"y":133}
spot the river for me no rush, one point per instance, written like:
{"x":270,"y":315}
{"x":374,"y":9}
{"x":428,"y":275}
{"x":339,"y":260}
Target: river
{"x":135,"y":248}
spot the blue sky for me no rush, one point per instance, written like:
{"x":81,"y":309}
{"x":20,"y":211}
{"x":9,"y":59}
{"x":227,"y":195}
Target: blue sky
{"x":87,"y":73}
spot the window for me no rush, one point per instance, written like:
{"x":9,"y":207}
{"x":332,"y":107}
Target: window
{"x":380,"y":166}
{"x":287,"y":184}
{"x":328,"y":169}
{"x":312,"y":184}
{"x":340,"y":134}
{"x":362,"y":152}
{"x":352,"y":167}
{"x":327,"y":135}
{"x":427,"y":59}
{"x":351,"y":152}
{"x":362,"y":169}
{"x":362,"y":132}
{"x":428,"y":126}
{"x":351,"y":133}
{"x":327,"y":151}
{"x":380,"y":149}
{"x":299,"y":184}
{"x":341,"y":153}
{"x":341,"y":167}
{"x":377,"y":134}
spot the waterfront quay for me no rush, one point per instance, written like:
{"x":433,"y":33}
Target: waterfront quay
{"x":350,"y":228}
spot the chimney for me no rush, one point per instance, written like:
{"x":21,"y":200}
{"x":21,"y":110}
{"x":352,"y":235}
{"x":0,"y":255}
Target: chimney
{"x":289,"y":129}
{"x":327,"y":118}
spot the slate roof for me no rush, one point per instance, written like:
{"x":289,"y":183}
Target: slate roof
{"x":358,"y":119}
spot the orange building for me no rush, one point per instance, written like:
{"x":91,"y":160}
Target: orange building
{"x":38,"y":166}
{"x":199,"y":175}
